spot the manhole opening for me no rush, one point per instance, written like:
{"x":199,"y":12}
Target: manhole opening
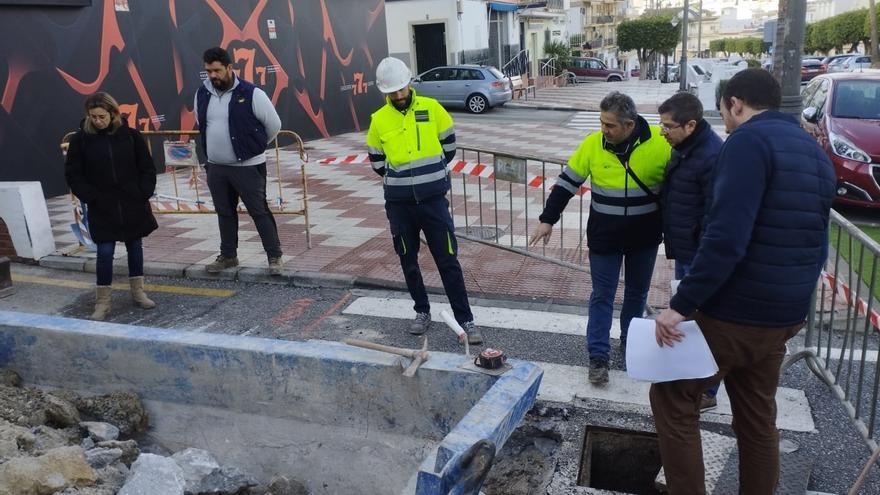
{"x":619,"y":460}
{"x":486,"y":233}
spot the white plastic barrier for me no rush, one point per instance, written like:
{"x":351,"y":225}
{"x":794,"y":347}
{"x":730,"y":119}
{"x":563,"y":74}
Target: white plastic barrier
{"x":23,"y":209}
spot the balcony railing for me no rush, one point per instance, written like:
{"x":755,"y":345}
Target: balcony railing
{"x":603,"y":19}
{"x":558,"y":5}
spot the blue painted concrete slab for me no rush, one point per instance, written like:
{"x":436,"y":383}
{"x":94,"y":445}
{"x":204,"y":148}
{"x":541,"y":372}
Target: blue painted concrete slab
{"x":315,"y":382}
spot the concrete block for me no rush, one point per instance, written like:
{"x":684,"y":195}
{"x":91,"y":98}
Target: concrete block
{"x":23,"y":209}
{"x":72,"y":263}
{"x":197,"y":272}
{"x":260,"y":392}
{"x":303,"y":278}
{"x":165,"y":269}
{"x":261,"y":276}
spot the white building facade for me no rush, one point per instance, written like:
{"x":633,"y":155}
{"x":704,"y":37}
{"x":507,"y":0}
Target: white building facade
{"x":430,"y":33}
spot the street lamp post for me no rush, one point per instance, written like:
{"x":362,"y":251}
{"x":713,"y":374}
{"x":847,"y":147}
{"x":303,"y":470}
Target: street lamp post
{"x":682,"y":71}
{"x":700,"y":32}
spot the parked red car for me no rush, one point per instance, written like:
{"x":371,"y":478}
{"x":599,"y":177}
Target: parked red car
{"x":583,"y":69}
{"x":842,"y":111}
{"x":810,"y":68}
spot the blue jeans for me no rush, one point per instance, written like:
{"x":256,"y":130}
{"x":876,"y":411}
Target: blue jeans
{"x":605,"y":274}
{"x":681,"y":270}
{"x":104,"y":265}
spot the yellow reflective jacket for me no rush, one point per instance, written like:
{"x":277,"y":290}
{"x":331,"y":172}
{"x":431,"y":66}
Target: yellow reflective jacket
{"x":411,"y":148}
{"x":623,"y":216}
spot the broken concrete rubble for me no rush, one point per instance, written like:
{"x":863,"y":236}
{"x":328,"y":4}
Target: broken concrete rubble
{"x":99,"y":457}
{"x":130,"y":450}
{"x":123,"y":410}
{"x":99,"y":431}
{"x":45,"y":452}
{"x":33,"y":407}
{"x":51,"y":472}
{"x":151,"y":474}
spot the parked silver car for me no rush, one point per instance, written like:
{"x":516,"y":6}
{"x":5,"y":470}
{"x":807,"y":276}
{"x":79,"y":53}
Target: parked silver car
{"x":853,"y":63}
{"x":474,"y":87}
{"x":857,"y":63}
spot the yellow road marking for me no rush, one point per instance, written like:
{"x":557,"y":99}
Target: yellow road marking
{"x":76,"y":284}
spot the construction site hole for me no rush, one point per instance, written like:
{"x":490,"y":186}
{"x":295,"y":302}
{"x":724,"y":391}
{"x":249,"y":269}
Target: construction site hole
{"x":619,"y":460}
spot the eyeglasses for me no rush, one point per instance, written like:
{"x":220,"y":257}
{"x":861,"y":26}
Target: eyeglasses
{"x":667,"y":128}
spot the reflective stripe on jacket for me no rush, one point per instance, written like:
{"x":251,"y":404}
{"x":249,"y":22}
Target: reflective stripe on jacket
{"x":411,"y":149}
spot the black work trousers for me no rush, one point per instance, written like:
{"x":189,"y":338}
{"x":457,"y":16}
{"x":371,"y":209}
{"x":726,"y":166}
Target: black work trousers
{"x":431,"y":217}
{"x":228,"y":183}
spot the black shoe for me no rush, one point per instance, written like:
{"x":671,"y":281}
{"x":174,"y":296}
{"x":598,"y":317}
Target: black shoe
{"x":473,"y":333}
{"x":420,"y":324}
{"x":598,"y":371}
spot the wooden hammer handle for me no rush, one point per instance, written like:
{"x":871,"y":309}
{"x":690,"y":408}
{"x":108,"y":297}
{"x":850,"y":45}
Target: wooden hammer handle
{"x":410,"y":353}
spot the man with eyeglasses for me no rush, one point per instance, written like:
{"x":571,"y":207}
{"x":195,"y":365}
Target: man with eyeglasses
{"x":625,"y":163}
{"x":688,"y":186}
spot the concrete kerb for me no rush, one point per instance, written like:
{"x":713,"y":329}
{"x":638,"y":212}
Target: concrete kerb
{"x":299,"y":278}
{"x":197,"y":272}
{"x":550,"y":107}
{"x":262,"y":276}
{"x":305,"y":278}
{"x":120,"y":266}
{"x":165,"y":269}
{"x":302,"y":278}
{"x":71,"y":263}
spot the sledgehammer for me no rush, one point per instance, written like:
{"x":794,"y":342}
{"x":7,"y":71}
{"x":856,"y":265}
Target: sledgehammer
{"x":418,"y":356}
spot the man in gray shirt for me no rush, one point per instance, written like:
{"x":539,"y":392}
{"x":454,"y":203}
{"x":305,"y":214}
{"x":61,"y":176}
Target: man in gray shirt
{"x":237,"y":121}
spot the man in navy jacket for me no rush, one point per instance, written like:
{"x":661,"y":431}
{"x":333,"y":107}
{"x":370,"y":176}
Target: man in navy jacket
{"x":688,"y":186}
{"x":750,"y":283}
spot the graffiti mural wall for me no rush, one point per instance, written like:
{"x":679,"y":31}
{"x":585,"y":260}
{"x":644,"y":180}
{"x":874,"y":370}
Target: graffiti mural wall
{"x":314,"y":58}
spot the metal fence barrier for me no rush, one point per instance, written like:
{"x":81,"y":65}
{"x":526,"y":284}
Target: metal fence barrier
{"x":843,"y":329}
{"x":176,"y":202}
{"x":497,"y":198}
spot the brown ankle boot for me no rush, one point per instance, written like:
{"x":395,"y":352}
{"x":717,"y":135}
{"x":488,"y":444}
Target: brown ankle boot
{"x":138,"y":295}
{"x":102,"y":302}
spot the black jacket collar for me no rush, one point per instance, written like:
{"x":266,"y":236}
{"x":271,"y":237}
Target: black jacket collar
{"x":691,"y":141}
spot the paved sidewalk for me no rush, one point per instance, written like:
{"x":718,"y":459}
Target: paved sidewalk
{"x":350,"y":231}
{"x":647,"y":95}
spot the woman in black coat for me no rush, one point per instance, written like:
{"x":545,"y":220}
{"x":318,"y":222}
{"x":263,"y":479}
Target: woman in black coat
{"x":110,"y":170}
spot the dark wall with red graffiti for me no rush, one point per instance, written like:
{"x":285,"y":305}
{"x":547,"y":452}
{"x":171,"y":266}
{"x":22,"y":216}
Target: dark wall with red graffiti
{"x":314,"y":58}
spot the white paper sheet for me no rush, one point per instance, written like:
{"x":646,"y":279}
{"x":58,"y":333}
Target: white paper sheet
{"x":673,"y":285}
{"x":645,"y":360}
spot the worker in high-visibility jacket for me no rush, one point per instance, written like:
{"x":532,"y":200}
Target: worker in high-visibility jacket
{"x":411,"y":139}
{"x":626,"y":164}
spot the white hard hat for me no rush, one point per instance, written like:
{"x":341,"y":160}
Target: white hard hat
{"x":392,"y":75}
